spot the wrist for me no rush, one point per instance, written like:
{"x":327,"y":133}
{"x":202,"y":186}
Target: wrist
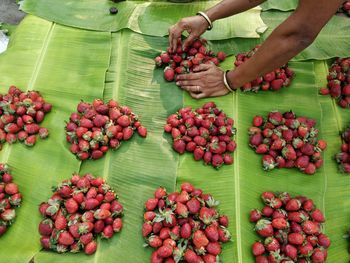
{"x":206,"y":18}
{"x":227,"y":83}
{"x":232,"y":79}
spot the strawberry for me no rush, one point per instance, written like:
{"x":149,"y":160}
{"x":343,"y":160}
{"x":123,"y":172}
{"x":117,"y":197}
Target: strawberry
{"x":151,"y":204}
{"x":71,"y":206}
{"x":117,"y":224}
{"x":169,"y":74}
{"x":165,"y":251}
{"x":255,"y":215}
{"x":295,"y":239}
{"x":318,"y":255}
{"x":142,"y":131}
{"x":65,"y":238}
{"x":293,"y":205}
{"x":60,"y":222}
{"x":317,"y":216}
{"x":264,"y":228}
{"x":323,"y":240}
{"x":212,"y":233}
{"x":311,"y":227}
{"x":90,"y":248}
{"x":46,"y":227}
{"x":199,"y":239}
{"x":190,"y":256}
{"x":214,"y":248}
{"x":258,"y":249}
{"x":280,"y":223}
{"x":291,"y":251}
{"x":271,"y":244}
{"x":179,"y":146}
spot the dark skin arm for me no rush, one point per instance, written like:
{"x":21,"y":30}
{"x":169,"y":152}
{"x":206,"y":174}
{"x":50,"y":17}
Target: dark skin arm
{"x":287,"y":40}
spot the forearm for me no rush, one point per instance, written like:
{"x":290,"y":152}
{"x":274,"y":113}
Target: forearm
{"x":231,"y":7}
{"x":286,"y":41}
{"x":276,"y":51}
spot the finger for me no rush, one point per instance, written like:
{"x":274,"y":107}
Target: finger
{"x":190,"y":76}
{"x":202,"y":67}
{"x":187,"y":83}
{"x":197,"y":96}
{"x":189,"y":40}
{"x":174,"y":34}
{"x":193,"y":89}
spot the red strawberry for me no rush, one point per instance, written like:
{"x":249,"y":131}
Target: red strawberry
{"x":264,"y":228}
{"x":255,"y":215}
{"x":186,"y":231}
{"x":223,"y":220}
{"x":142,"y":131}
{"x":271,"y":244}
{"x":293,"y":205}
{"x":214,"y":248}
{"x":323,"y":240}
{"x":60,"y":222}
{"x":29,"y":141}
{"x":291,"y":251}
{"x":71,"y":206}
{"x":191,"y":257}
{"x":318,"y":255}
{"x":179,"y":146}
{"x":45,"y":227}
{"x":65,"y":238}
{"x":199,"y":239}
{"x":169,"y":74}
{"x":221,"y":56}
{"x":295,"y":238}
{"x":311,"y":227}
{"x":212,"y":233}
{"x":90,"y":248}
{"x":165,"y":251}
{"x":318,"y":216}
{"x":280,"y":223}
{"x":151,"y":204}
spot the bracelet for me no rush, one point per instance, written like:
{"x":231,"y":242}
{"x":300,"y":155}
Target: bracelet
{"x":226,"y":82}
{"x":204,"y":15}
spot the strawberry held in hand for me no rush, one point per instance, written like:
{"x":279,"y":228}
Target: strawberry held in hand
{"x":184,"y":226}
{"x":338,"y":86}
{"x":78,"y":211}
{"x":183,"y":61}
{"x":287,"y":141}
{"x":206,"y":131}
{"x":20,"y":115}
{"x":343,"y":157}
{"x":10,"y":198}
{"x":291,"y":230}
{"x":274,"y":80}
{"x":95,"y":128}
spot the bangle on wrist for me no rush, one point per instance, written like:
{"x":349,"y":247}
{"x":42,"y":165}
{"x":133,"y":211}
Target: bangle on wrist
{"x":204,"y":15}
{"x":226,"y":82}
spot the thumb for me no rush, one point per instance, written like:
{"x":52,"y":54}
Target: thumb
{"x":202,"y":67}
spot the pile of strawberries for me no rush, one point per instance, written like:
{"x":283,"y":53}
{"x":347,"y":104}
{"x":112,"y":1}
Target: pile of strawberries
{"x":183,"y":61}
{"x":339,"y":82}
{"x":21,"y":112}
{"x":10,"y":198}
{"x":274,"y":80}
{"x":185,"y":226}
{"x":206,"y":132}
{"x":343,"y":158}
{"x":79,"y":209}
{"x":291,"y":228}
{"x":96,"y":127}
{"x":287,"y":141}
{"x":345,"y":8}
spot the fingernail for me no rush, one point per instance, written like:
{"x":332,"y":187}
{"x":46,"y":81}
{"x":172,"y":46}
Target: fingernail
{"x":178,"y":83}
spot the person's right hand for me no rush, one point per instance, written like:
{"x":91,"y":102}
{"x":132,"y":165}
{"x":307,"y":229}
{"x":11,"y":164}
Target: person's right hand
{"x":194,"y":25}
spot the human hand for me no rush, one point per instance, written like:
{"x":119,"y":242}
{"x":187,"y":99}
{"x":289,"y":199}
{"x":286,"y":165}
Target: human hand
{"x":205,"y":81}
{"x":194,"y":25}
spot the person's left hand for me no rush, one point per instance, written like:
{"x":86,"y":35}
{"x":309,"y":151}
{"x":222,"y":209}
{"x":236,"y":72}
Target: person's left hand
{"x":205,"y":81}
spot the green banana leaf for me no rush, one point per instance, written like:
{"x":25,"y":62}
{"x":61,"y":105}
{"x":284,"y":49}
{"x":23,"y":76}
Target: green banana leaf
{"x":68,"y":64}
{"x":284,"y":5}
{"x":150,"y":18}
{"x":65,"y":65}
